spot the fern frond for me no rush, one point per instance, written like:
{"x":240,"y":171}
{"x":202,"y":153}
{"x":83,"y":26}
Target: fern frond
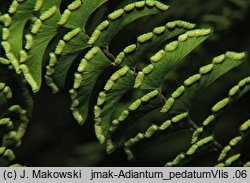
{"x":122,"y":90}
{"x":118,"y":19}
{"x":181,"y":99}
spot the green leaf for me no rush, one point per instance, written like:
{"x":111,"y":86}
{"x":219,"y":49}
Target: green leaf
{"x":231,"y":160}
{"x":89,"y":70}
{"x":234,"y":94}
{"x":80,"y":15}
{"x":61,"y":60}
{"x":18,"y":22}
{"x":199,"y":147}
{"x":16,"y":106}
{"x":5,"y":96}
{"x":144,"y":103}
{"x":40,"y":39}
{"x":117,"y":20}
{"x":15,"y":22}
{"x":235,"y":145}
{"x":182,"y":97}
{"x":13,"y":126}
{"x":166,"y":59}
{"x":149,"y":41}
{"x":232,"y":148}
{"x":247,"y":164}
{"x":19,"y":121}
{"x":119,"y":83}
{"x":154,"y":128}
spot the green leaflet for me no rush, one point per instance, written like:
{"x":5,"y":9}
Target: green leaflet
{"x":144,"y":102}
{"x":13,"y":91}
{"x":151,"y":131}
{"x":89,"y":70}
{"x":247,"y":164}
{"x":122,"y":17}
{"x":235,"y":145}
{"x":16,"y":27}
{"x":183,"y":158}
{"x":173,"y":53}
{"x":13,"y":30}
{"x":16,"y":106}
{"x":160,"y":35}
{"x":20,"y":120}
{"x":229,"y":161}
{"x":64,"y":56}
{"x":232,"y":159}
{"x":39,"y":40}
{"x":5,"y":95}
{"x":195,"y":84}
{"x":80,"y":15}
{"x":119,"y":83}
{"x":208,"y":125}
{"x":14,"y":121}
{"x":122,"y":123}
{"x":230,"y":148}
{"x":25,"y":11}
{"x":7,"y":154}
{"x":68,"y":48}
{"x":42,"y":5}
{"x":139,"y":105}
{"x":245,"y":127}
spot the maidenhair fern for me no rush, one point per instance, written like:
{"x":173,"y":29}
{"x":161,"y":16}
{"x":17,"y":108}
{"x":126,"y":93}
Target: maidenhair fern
{"x":117,"y":92}
{"x":15,"y":111}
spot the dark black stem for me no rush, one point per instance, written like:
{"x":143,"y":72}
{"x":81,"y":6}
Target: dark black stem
{"x":163,"y":98}
{"x":108,"y":54}
{"x":218,"y":145}
{"x":192,"y":124}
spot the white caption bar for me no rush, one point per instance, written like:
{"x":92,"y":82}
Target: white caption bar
{"x":124,"y":175}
